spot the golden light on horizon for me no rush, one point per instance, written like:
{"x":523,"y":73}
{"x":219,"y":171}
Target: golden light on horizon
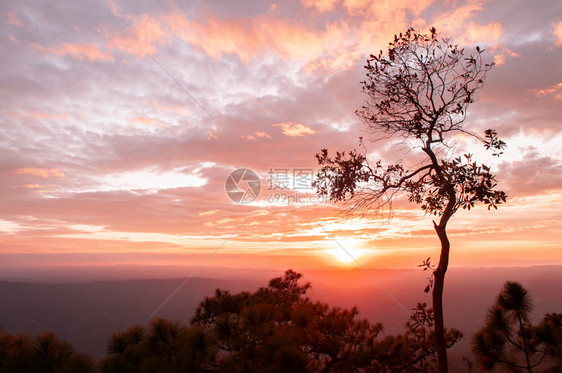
{"x":347,"y":251}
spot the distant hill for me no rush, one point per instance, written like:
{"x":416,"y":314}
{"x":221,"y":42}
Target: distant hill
{"x":87,"y":313}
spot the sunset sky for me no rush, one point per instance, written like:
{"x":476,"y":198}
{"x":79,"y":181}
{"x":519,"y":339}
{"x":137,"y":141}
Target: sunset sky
{"x":121,"y":121}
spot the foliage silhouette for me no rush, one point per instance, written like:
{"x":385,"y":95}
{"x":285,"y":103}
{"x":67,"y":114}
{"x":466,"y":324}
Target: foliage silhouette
{"x":165,"y":347}
{"x":509,"y":338}
{"x":420,"y":92}
{"x":44,"y":353}
{"x":278,"y":329}
{"x":274,"y":329}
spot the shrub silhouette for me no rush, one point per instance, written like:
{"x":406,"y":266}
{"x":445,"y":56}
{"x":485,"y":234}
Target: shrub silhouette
{"x":509,"y":338}
{"x":44,"y":353}
{"x":274,"y":329}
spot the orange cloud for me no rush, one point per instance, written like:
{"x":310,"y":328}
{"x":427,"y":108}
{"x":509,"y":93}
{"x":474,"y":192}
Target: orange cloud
{"x":557,"y":33}
{"x":140,"y":37}
{"x":459,"y":24}
{"x":13,"y":19}
{"x":554,"y":90}
{"x":357,"y":6}
{"x":294,"y":129}
{"x":149,"y":121}
{"x":114,"y":8}
{"x":32,"y":186}
{"x":320,"y":5}
{"x":209,"y":212}
{"x":39,"y":115}
{"x":499,"y":59}
{"x":37,"y":46}
{"x":476,"y":33}
{"x":168,"y":109}
{"x":247,"y":39}
{"x":262,"y":134}
{"x":338,"y":45}
{"x":81,"y":51}
{"x":44,"y":173}
{"x":386,"y":10}
{"x":450,"y":22}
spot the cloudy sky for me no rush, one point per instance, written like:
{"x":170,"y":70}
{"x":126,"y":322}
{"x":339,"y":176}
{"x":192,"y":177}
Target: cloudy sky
{"x":121,"y":121}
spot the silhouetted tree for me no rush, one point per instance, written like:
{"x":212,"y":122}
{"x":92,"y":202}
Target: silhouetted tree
{"x":165,"y":347}
{"x":274,"y":329}
{"x":419,"y":91}
{"x":417,"y":344}
{"x":279,"y":329}
{"x":44,"y":353}
{"x":510,"y":339}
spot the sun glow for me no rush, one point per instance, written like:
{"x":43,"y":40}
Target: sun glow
{"x":347,"y":251}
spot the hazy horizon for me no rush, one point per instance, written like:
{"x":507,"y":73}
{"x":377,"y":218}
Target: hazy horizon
{"x":37,"y":306}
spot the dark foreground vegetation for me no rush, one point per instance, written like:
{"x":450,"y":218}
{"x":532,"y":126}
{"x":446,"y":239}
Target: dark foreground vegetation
{"x":279,"y":329}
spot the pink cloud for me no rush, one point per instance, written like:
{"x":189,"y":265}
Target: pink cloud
{"x":500,"y":58}
{"x":320,"y":5}
{"x":459,"y":24}
{"x":13,"y":19}
{"x":557,"y":33}
{"x":554,"y":90}
{"x":37,"y":47}
{"x":44,"y":173}
{"x":262,"y":134}
{"x":338,"y":45}
{"x":114,"y":8}
{"x":81,"y":51}
{"x":386,"y":10}
{"x":533,"y":175}
{"x":149,"y":121}
{"x":39,"y":115}
{"x":357,"y":6}
{"x":209,"y":212}
{"x":254,"y":136}
{"x":449,"y":21}
{"x":248,"y":38}
{"x":293,"y":129}
{"x":33,"y":186}
{"x":476,"y":33}
{"x":168,"y":109}
{"x":140,"y":38}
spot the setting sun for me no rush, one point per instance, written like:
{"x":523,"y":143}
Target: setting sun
{"x":348,"y":251}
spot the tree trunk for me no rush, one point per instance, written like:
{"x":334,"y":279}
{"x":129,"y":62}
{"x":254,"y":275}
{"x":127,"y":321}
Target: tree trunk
{"x":438,"y":285}
{"x":525,"y":348}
